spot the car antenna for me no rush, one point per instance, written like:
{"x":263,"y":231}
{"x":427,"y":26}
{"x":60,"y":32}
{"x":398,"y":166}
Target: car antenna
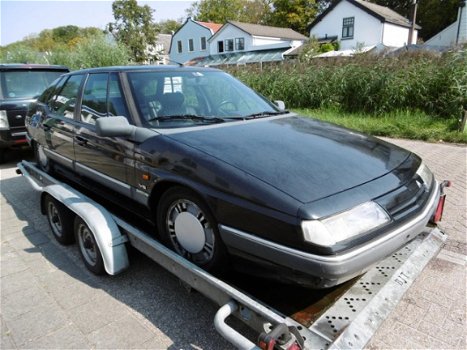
{"x":179,"y":64}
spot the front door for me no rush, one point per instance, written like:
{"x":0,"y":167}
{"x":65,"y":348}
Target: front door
{"x":107,"y":160}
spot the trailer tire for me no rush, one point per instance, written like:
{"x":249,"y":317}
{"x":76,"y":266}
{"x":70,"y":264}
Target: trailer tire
{"x":186,"y":226}
{"x":60,"y":220}
{"x":88,"y":248}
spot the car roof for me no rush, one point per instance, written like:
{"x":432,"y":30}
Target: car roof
{"x":160,"y":68}
{"x":28,"y":66}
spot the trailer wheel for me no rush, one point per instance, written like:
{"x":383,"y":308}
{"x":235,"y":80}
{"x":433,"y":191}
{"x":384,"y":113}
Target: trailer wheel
{"x":60,"y":220}
{"x":187,"y":227}
{"x":88,"y":248}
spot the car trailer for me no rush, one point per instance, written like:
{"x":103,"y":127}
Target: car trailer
{"x":346,"y":318}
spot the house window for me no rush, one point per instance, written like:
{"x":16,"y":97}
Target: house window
{"x":191,"y":46}
{"x":220,"y":46}
{"x":203,"y":43}
{"x":239,"y":44}
{"x":348,"y":27}
{"x":179,"y":46}
{"x":229,"y":45}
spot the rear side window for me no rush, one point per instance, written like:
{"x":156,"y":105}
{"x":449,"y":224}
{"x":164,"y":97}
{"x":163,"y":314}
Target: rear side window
{"x":26,"y":83}
{"x":63,"y":104}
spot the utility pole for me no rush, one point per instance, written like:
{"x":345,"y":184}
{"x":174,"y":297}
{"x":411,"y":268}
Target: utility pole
{"x":414,"y":19}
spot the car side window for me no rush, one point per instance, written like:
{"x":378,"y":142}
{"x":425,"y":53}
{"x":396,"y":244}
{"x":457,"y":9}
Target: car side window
{"x":94,"y":103}
{"x":63,"y":103}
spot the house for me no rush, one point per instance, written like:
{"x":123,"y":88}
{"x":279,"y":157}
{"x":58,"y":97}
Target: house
{"x":191,"y":40}
{"x":358,"y":23}
{"x":160,"y":50}
{"x":240,"y":43}
{"x":455,"y":34}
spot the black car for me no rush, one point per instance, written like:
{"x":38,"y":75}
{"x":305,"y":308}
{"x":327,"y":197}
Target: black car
{"x":21,"y":84}
{"x":229,"y":178}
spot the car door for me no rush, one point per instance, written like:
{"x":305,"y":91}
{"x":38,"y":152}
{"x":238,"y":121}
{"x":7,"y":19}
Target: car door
{"x":58,"y":123}
{"x":106,"y":160}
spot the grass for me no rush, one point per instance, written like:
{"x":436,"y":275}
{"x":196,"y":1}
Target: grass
{"x":398,"y":124}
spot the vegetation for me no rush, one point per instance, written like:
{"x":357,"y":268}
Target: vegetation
{"x":434,"y":85}
{"x":134,"y":27}
{"x":397,"y":124}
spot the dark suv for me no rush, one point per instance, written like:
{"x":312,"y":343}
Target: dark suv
{"x":20,"y":84}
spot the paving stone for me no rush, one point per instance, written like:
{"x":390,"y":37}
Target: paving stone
{"x":16,"y":282}
{"x":102,"y":310}
{"x":23,"y":301}
{"x":12,"y":266}
{"x":36,"y":323}
{"x":158,"y":342}
{"x":68,"y":337}
{"x":126,"y":333}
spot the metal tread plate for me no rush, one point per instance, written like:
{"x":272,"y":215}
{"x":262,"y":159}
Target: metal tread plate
{"x":353,"y":319}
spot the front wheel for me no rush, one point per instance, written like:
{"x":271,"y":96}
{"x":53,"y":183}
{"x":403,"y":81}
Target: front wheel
{"x":187,"y":227}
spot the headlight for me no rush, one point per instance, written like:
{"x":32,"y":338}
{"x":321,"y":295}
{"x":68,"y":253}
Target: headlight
{"x":4,"y":120}
{"x":426,"y":175}
{"x":340,"y":227}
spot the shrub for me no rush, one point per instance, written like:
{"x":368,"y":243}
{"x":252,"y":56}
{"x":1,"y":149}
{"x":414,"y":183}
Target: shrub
{"x":436,"y":85}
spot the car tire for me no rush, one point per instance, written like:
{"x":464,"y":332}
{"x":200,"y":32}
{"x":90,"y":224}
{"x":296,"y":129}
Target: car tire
{"x":88,"y":248}
{"x":42,"y":161}
{"x":60,"y":220}
{"x":186,"y":226}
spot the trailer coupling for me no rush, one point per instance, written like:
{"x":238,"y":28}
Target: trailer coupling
{"x":280,"y":337}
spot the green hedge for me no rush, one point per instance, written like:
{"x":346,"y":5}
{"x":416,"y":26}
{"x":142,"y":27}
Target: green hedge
{"x":436,"y":85}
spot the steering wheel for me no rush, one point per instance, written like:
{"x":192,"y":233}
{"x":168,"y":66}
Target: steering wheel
{"x":226,"y":103}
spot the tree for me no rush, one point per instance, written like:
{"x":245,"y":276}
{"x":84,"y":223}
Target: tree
{"x":168,"y":26}
{"x":134,"y":27}
{"x":221,"y":11}
{"x":295,"y":14}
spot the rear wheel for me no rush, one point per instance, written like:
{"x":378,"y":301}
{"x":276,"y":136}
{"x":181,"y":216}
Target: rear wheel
{"x":60,"y":220}
{"x":186,"y":226}
{"x":88,"y":248}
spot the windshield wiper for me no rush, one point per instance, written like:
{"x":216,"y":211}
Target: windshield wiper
{"x":264,"y":114}
{"x":187,"y":117}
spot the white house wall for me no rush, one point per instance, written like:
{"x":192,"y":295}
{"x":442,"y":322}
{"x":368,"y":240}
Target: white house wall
{"x":448,"y":36}
{"x":190,"y":30}
{"x":397,"y":36}
{"x":252,"y":43}
{"x":367,"y":29}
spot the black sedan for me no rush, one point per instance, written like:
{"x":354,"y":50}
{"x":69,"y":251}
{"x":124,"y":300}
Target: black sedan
{"x":231,"y":179}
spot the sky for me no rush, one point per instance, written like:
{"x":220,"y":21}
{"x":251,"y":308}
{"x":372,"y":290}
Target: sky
{"x":19,"y":18}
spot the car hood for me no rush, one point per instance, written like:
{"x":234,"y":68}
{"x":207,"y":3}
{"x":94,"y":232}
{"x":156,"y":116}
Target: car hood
{"x":302,"y":157}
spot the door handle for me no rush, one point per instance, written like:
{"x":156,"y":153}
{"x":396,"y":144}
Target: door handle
{"x":81,"y":140}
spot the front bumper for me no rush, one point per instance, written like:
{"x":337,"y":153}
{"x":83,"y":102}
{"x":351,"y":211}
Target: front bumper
{"x":331,"y":270}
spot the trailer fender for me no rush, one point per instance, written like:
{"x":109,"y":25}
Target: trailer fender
{"x":99,"y":220}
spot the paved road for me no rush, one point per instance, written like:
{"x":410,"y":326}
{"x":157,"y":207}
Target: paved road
{"x":49,"y":300}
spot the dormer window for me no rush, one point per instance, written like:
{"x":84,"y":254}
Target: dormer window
{"x":348,"y":27}
{"x":239,"y":44}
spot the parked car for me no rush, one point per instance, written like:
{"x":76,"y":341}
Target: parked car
{"x":20,"y":84}
{"x":229,"y":178}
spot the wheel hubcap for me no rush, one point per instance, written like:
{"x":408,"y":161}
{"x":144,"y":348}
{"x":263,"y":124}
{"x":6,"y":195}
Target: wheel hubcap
{"x":87,"y":244}
{"x":54,"y":219}
{"x":190,"y":232}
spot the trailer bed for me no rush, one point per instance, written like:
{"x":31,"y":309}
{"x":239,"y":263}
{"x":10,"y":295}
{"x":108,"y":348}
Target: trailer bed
{"x":345,"y":316}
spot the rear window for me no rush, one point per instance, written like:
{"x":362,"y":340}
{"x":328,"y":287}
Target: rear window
{"x":26,"y":83}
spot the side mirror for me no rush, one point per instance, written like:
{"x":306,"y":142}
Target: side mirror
{"x":114,"y":127}
{"x":280,"y":104}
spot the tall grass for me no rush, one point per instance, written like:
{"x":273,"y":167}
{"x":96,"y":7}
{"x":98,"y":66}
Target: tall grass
{"x":436,"y":85}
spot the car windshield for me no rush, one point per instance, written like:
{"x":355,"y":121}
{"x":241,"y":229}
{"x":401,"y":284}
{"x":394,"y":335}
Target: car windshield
{"x":185,"y":98}
{"x":26,"y":83}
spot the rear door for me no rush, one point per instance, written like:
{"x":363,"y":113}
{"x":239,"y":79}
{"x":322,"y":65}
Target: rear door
{"x":59,"y":124}
{"x":106,"y":160}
